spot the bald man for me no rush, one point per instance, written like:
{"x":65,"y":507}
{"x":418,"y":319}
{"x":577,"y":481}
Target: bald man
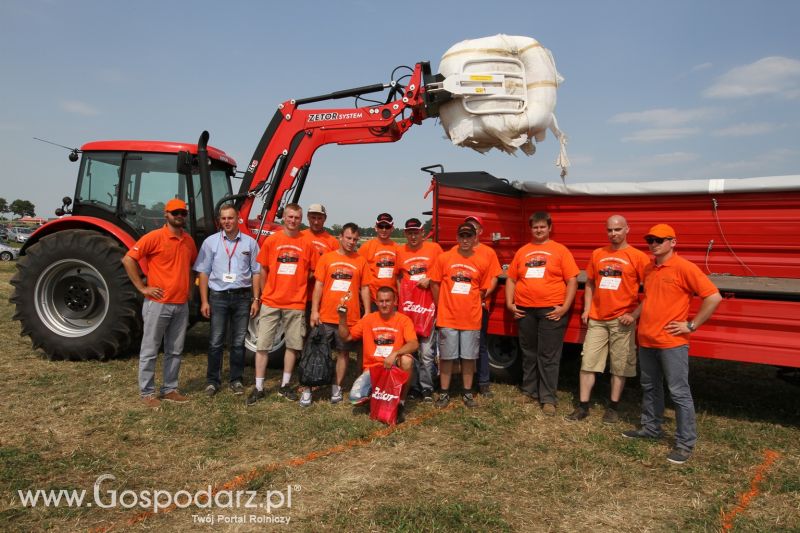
{"x":613,"y":277}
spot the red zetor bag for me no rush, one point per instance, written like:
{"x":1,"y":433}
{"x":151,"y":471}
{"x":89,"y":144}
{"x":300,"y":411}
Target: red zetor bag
{"x":387,"y":384}
{"x":417,"y":304}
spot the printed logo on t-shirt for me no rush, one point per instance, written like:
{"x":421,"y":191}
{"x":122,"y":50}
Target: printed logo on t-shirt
{"x":536,"y":261}
{"x":341,"y":273}
{"x":385,"y":261}
{"x":384,"y":339}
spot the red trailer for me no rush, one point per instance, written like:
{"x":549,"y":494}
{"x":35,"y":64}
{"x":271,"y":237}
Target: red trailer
{"x":741,"y":232}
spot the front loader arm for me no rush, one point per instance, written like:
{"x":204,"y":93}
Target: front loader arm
{"x":276,"y":172}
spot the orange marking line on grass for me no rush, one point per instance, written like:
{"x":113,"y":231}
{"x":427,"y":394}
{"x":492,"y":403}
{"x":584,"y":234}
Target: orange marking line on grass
{"x":243,"y":479}
{"x":744,"y":499}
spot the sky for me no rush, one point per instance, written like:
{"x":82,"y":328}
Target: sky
{"x":652,"y":90}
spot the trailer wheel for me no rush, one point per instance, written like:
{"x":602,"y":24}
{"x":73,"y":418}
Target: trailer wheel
{"x":73,"y":297}
{"x":505,"y":361}
{"x":276,"y":353}
{"x":6,"y":256}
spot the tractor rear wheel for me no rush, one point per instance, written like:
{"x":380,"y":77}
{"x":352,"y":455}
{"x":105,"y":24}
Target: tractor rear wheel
{"x":73,"y":296}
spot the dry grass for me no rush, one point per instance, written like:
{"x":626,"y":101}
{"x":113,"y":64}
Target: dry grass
{"x":501,"y":467}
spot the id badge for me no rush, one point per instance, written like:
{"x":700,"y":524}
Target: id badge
{"x":460,"y":287}
{"x":229,"y":277}
{"x":340,"y":285}
{"x":416,"y":277}
{"x":386,"y":272}
{"x":383,"y":351}
{"x":535,"y":272}
{"x":611,"y":284}
{"x":287,"y":269}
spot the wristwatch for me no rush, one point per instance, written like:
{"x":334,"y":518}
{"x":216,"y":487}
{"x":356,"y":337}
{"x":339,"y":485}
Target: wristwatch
{"x":691,"y":326}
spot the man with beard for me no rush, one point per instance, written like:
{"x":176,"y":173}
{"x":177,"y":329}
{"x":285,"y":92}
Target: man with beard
{"x":169,"y":252}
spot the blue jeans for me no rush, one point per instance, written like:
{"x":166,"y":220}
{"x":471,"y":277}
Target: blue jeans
{"x":483,"y":351}
{"x":167,"y":322}
{"x":541,"y":341}
{"x":673,"y":364}
{"x":230,"y":311}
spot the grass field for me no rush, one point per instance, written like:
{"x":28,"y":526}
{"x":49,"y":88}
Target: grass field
{"x":500,"y":467}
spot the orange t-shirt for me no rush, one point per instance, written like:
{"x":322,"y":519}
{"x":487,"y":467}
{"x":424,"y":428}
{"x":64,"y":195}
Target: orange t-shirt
{"x":382,"y":337}
{"x":414,"y":264}
{"x":382,"y":261}
{"x":323,"y":242}
{"x":339,"y":274}
{"x":460,"y":281}
{"x":488,"y":254}
{"x":668,"y":290}
{"x":287,"y":262}
{"x":617,"y":275}
{"x":169,"y":262}
{"x":541,"y":272}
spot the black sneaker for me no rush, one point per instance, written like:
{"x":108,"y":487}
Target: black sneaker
{"x":678,"y":456}
{"x":611,"y":416}
{"x":414,"y":395}
{"x":579,"y":413}
{"x":288,"y":393}
{"x":469,"y":400}
{"x":640,"y":434}
{"x":237,"y":388}
{"x":254,"y":396}
{"x":443,"y":401}
{"x":427,"y":396}
{"x":485,"y":391}
{"x":401,"y":414}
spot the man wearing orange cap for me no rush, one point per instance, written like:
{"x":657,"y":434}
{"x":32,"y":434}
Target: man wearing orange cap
{"x":670,"y":282}
{"x":170,"y":253}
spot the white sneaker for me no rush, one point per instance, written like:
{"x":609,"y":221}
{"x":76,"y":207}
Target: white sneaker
{"x":336,"y":398}
{"x":305,"y":398}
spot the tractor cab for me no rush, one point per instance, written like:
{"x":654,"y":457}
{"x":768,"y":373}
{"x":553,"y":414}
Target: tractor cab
{"x":127,"y":183}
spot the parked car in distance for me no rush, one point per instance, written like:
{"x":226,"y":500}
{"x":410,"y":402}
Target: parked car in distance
{"x":8,"y":253}
{"x":4,"y":233}
{"x":19,"y":234}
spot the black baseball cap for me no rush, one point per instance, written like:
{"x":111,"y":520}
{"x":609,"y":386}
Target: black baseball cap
{"x":413,"y":223}
{"x":466,"y":228}
{"x":386,"y":218}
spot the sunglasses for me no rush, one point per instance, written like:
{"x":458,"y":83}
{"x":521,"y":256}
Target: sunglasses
{"x":384,"y":226}
{"x":657,"y":240}
{"x":179,"y":213}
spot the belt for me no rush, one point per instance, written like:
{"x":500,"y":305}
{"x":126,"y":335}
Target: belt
{"x":242,"y":290}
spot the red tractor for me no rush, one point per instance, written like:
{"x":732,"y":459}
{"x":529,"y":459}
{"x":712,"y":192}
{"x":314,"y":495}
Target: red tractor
{"x":72,"y":295}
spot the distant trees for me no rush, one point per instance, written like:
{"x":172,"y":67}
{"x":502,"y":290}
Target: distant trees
{"x":22,"y":208}
{"x":3,"y":207}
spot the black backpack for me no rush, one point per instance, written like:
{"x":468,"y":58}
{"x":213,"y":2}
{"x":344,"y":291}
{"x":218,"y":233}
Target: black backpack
{"x":316,"y":365}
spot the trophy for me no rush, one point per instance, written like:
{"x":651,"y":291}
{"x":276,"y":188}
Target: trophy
{"x":343,"y":303}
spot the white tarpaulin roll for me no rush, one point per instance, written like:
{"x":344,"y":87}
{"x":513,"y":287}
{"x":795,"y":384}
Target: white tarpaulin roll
{"x":517,"y":118}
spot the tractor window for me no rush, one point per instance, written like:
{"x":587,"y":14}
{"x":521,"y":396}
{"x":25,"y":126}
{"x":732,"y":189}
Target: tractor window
{"x":220,"y":186}
{"x":99,"y":179}
{"x":150,"y":181}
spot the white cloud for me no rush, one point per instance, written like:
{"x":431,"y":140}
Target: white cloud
{"x":79,"y":108}
{"x":746,"y":129}
{"x":660,"y":134}
{"x":702,"y":66}
{"x":666,"y":117}
{"x":770,"y":75}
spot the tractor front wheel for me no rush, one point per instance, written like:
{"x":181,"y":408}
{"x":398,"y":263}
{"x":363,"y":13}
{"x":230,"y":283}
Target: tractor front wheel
{"x":73,"y":297}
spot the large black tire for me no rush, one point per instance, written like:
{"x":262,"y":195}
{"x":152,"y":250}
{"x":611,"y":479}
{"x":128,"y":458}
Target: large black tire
{"x":6,"y":256}
{"x":73,"y":297}
{"x":505,"y":358}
